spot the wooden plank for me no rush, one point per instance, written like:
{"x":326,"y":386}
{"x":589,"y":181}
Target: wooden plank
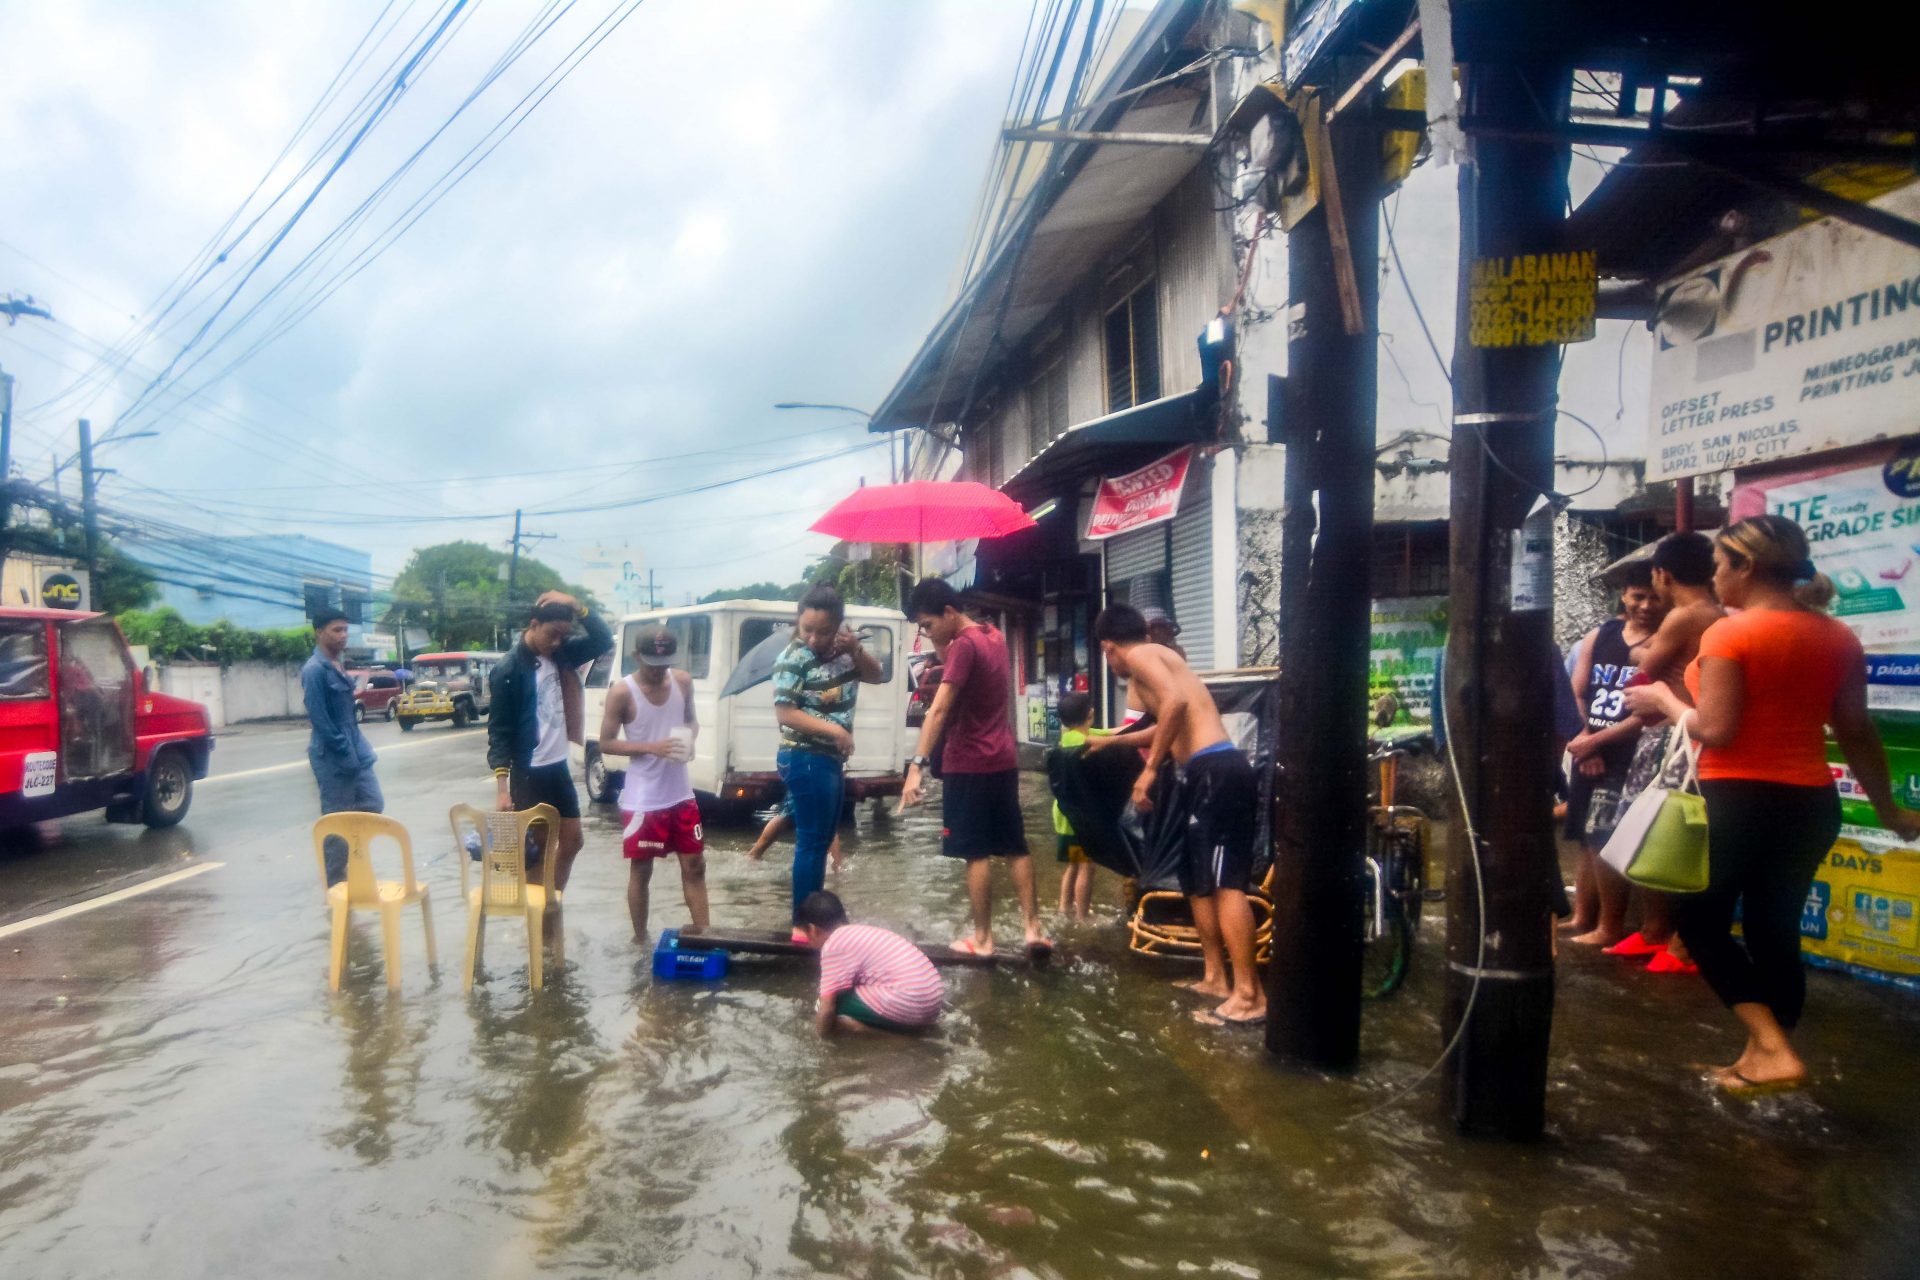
{"x":1373,"y":73}
{"x":780,"y":943}
{"x":1346,"y":284}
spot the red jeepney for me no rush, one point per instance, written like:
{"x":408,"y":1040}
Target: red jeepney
{"x":79,"y":731}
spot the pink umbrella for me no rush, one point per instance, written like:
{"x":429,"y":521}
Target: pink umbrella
{"x":923,"y":511}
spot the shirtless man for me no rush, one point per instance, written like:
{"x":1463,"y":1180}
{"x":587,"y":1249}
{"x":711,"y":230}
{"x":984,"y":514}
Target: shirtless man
{"x":1683,"y":579}
{"x":1221,"y":794}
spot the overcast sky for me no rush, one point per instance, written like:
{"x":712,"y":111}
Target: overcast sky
{"x":724,"y":207}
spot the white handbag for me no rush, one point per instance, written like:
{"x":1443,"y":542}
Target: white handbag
{"x":1661,"y":842}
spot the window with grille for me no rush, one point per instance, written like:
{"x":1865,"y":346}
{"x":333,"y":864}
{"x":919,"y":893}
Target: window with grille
{"x":1133,"y":350}
{"x":318,"y":597}
{"x":1410,"y":560}
{"x":1047,"y":405}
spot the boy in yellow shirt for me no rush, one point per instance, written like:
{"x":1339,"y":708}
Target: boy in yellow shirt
{"x":1076,"y":883}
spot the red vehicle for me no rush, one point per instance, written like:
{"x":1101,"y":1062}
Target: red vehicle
{"x":79,"y":731}
{"x":373,"y":694}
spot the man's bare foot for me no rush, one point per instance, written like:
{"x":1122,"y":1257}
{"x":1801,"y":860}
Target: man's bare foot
{"x":1574,"y":925}
{"x":756,"y":854}
{"x":1597,"y":938}
{"x":973,"y":948}
{"x":1212,"y":988}
{"x":1036,"y":940}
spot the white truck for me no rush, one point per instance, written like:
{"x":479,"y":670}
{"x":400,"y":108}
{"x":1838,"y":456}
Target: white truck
{"x":733,"y":763}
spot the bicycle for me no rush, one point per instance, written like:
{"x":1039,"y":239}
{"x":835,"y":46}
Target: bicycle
{"x":1395,"y":884}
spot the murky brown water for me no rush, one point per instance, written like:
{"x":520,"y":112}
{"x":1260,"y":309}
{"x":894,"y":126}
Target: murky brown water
{"x":181,"y":1096}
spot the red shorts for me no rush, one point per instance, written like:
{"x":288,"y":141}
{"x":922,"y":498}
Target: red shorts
{"x":665,"y":831}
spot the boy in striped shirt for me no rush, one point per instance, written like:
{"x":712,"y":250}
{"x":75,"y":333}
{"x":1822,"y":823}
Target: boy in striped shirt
{"x":869,"y":977}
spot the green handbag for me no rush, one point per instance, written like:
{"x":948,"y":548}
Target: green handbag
{"x":1661,"y":842}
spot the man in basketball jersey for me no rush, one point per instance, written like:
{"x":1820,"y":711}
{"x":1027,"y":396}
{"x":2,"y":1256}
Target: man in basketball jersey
{"x":650,"y":720}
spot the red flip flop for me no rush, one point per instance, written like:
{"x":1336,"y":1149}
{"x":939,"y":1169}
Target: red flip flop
{"x":1667,"y":962}
{"x":1634,"y":944}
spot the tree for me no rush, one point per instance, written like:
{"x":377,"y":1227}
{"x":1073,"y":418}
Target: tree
{"x":873,"y":581}
{"x":457,"y":592}
{"x":167,"y":635}
{"x":758,"y":591}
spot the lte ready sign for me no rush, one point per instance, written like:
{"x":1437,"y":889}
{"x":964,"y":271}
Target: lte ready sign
{"x":1139,"y":498}
{"x":1806,"y":342}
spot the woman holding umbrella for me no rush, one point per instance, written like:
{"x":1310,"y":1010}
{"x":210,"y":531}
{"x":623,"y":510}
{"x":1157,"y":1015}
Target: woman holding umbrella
{"x":816,"y":682}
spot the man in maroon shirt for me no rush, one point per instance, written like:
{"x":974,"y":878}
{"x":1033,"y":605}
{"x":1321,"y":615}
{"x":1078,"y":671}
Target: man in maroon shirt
{"x":979,"y":768}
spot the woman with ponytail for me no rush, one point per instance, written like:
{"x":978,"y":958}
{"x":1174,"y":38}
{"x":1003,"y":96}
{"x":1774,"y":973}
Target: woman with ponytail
{"x":1769,"y":681}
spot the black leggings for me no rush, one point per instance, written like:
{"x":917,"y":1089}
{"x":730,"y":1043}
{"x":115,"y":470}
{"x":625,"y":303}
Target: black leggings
{"x":1764,"y":842}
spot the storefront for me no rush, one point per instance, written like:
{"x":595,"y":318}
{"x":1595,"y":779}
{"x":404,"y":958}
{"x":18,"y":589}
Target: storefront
{"x":1794,"y":364}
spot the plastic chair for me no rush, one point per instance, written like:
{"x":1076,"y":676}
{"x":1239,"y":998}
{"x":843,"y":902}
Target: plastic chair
{"x":360,"y":891}
{"x":503,"y":889}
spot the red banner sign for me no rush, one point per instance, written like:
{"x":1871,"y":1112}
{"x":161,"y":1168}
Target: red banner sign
{"x":1139,"y":498}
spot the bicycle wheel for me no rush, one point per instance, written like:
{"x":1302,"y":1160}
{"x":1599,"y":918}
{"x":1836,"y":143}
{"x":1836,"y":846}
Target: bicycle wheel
{"x":1407,"y":875}
{"x":1388,"y":940}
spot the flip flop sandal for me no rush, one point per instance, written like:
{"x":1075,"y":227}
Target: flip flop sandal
{"x":1667,"y":962}
{"x":1208,"y":1018}
{"x":1758,"y":1088}
{"x":1634,"y":944}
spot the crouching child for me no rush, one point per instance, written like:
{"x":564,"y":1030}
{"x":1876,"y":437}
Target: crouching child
{"x":869,"y":977}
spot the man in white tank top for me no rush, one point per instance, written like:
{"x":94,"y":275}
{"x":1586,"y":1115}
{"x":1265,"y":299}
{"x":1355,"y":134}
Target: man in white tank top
{"x":650,"y":720}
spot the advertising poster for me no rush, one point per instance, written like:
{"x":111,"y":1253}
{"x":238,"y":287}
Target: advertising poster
{"x":1409,"y":634}
{"x":1806,"y":342}
{"x":1139,"y":498}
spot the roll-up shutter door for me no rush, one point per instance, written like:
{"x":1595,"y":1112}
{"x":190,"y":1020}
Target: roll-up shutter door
{"x":1132,"y":557}
{"x":1193,"y":566}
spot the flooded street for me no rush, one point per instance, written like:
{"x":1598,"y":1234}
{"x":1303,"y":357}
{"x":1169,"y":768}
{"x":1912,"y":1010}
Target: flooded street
{"x":181,"y":1096}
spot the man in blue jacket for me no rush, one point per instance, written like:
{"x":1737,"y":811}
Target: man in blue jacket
{"x":341,"y":757}
{"x":538,"y":708}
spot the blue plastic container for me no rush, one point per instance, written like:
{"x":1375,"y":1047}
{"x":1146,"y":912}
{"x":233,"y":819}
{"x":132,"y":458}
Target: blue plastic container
{"x":672,"y":964}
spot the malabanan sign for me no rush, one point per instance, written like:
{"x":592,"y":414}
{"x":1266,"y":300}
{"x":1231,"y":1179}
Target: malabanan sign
{"x":1139,"y":498}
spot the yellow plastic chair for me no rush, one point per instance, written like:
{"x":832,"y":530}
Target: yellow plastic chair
{"x":361,"y":891}
{"x":503,"y":889}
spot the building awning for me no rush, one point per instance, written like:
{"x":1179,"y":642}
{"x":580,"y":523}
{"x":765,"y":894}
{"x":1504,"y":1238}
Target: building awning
{"x":1118,"y":442}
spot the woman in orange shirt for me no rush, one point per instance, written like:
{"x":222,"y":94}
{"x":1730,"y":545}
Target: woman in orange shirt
{"x":1768,"y":683}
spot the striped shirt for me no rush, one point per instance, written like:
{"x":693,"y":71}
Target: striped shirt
{"x":891,"y":975}
{"x":824,"y":687}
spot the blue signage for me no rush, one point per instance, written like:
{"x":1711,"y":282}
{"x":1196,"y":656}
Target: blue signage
{"x":1893,"y":668}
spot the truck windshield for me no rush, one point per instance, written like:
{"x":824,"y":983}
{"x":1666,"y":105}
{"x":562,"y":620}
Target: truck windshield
{"x":439,"y":670}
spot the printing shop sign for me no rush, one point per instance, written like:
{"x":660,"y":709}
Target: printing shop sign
{"x":1806,"y":342}
{"x":1139,"y":498}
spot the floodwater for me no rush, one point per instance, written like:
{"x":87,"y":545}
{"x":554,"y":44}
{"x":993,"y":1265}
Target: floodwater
{"x":180,"y":1095}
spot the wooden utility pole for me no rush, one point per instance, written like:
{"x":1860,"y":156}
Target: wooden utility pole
{"x":1313,"y":984}
{"x":1500,"y":657}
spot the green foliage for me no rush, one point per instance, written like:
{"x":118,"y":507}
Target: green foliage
{"x":457,"y":592}
{"x":168,"y":635}
{"x":758,"y":591}
{"x":874,"y":581}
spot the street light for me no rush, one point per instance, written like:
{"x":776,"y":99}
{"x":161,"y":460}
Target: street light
{"x":893,"y":467}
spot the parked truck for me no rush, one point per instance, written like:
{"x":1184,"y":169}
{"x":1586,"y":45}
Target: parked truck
{"x":79,"y":730}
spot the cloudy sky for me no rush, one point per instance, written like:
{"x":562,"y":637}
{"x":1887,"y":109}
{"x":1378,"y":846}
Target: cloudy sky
{"x":723,"y":207}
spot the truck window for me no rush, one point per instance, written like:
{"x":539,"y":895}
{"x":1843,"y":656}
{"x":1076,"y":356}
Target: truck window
{"x":695,"y":634}
{"x":383,"y":682}
{"x":23,"y":660}
{"x":877,"y":639}
{"x":753,"y":631}
{"x":601,"y":672}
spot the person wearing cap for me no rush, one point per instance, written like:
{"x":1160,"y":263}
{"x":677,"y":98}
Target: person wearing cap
{"x":1163,"y":630}
{"x":650,"y":720}
{"x":538,"y":708}
{"x":340,"y":754}
{"x":816,"y":683}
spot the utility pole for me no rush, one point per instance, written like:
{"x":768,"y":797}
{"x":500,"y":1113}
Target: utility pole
{"x":1330,"y":395}
{"x":513,"y":560}
{"x":88,"y":506}
{"x":1499,"y":980}
{"x":6,"y":464}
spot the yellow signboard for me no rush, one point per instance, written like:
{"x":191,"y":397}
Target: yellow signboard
{"x":1864,"y":908}
{"x":1532,"y":299}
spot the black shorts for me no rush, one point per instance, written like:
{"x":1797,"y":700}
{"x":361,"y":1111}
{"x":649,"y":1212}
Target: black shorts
{"x":545,"y":784}
{"x":981,"y":814}
{"x":1222,"y":800}
{"x":1580,"y":789}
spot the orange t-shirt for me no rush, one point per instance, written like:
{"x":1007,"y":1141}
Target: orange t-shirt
{"x":1794,"y":663}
